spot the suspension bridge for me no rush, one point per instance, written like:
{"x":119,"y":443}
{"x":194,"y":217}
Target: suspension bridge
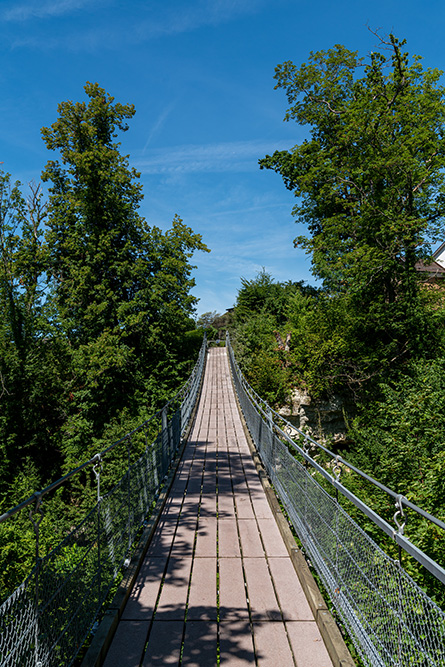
{"x":216,"y":577}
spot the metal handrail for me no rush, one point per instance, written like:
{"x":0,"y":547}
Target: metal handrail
{"x":46,"y":619}
{"x":397,"y":496}
{"x":401,"y":499}
{"x":54,"y":485}
{"x":390,"y":618}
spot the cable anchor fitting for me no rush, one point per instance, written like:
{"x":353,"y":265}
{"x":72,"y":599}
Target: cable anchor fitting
{"x":97,"y":469}
{"x":37,"y":508}
{"x":399,"y":513}
{"x":336,"y":469}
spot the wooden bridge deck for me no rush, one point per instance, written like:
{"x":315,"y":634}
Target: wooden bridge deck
{"x":217,"y":585}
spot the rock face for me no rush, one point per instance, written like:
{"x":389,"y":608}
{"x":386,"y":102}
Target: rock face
{"x":321,"y":419}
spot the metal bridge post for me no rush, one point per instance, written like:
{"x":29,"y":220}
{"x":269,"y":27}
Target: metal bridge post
{"x":165,"y":439}
{"x":400,"y":528}
{"x":97,"y":469}
{"x":171,"y":439}
{"x":336,"y":470}
{"x":270,"y":436}
{"x":155,"y":463}
{"x":149,"y":478}
{"x":129,"y":443}
{"x":36,"y":524}
{"x":306,"y":482}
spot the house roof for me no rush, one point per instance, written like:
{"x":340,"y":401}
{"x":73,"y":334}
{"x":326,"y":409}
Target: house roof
{"x":433,"y":268}
{"x":439,"y":251}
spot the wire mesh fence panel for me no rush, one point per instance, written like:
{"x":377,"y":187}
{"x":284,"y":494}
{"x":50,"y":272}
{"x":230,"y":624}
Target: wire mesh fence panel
{"x":390,"y":619}
{"x":48,"y":617}
{"x":19,"y":626}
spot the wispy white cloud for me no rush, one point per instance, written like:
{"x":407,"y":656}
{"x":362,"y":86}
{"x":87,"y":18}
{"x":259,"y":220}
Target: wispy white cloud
{"x":158,"y":125}
{"x":142,"y":22}
{"x":36,"y":9}
{"x":235,"y":156}
{"x":190,"y":16}
{"x":219,"y":274}
{"x":208,"y":14}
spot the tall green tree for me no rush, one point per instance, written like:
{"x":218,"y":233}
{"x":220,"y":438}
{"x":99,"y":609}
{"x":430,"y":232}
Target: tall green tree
{"x":94,"y":230}
{"x":369,"y":181}
{"x":264,"y":295}
{"x":120,"y":289}
{"x":31,"y":357}
{"x":95,"y":320}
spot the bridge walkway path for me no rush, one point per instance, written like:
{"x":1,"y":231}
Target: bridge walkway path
{"x":217,"y":586}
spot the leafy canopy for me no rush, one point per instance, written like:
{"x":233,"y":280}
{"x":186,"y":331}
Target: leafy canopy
{"x":369,"y":180}
{"x":121,"y":289}
{"x":96,"y":328}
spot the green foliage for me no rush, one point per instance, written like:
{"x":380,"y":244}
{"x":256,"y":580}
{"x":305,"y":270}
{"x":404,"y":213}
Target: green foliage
{"x":207,"y":320}
{"x":337,"y":347}
{"x":31,"y":355}
{"x":264,"y":295}
{"x":96,"y":321}
{"x":400,"y":440}
{"x":370,"y":182}
{"x":121,"y":289}
{"x":260,"y":315}
{"x":215,"y":326}
{"x":17,"y":539}
{"x":370,"y":186}
{"x":253,"y":342}
{"x":403,"y":430}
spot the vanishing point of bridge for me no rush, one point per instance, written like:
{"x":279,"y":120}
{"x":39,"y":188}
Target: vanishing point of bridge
{"x":217,"y":585}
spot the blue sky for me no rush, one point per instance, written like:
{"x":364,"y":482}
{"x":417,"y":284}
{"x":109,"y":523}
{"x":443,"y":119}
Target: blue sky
{"x":200,"y":74}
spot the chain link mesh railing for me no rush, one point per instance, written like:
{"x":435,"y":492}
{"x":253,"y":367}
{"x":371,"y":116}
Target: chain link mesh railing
{"x":390,"y":619}
{"x":48,"y":617}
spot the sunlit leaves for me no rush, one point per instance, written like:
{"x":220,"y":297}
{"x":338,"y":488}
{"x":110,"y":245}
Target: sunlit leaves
{"x":369,"y":181}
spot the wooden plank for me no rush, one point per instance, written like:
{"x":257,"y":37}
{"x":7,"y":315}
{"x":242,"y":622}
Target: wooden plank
{"x":236,"y":644}
{"x":251,"y":545}
{"x":200,"y":644}
{"x":232,"y":591}
{"x":307,"y":644}
{"x":174,"y":591}
{"x":206,"y":537}
{"x":260,"y":591}
{"x":128,"y":644}
{"x":272,"y":645}
{"x":291,"y":597}
{"x":142,"y":600}
{"x":271,"y":537}
{"x":244,"y":509}
{"x":228,"y":540}
{"x":202,"y":599}
{"x":164,"y":645}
